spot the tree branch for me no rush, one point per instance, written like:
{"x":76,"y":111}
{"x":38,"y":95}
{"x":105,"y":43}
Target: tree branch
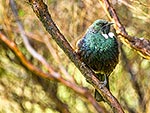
{"x":42,"y":13}
{"x":141,"y":45}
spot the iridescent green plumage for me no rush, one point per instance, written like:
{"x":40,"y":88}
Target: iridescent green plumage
{"x":99,"y":50}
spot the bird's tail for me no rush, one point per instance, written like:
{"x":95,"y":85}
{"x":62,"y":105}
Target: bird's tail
{"x":102,"y":78}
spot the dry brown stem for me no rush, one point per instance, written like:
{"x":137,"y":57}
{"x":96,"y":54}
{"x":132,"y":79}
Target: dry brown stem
{"x":141,"y":45}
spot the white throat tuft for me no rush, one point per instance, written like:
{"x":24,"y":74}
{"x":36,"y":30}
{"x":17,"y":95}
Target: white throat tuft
{"x":105,"y":36}
{"x":111,"y":35}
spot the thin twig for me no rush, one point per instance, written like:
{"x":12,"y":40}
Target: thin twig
{"x":80,"y":90}
{"x":26,"y":42}
{"x":141,"y":45}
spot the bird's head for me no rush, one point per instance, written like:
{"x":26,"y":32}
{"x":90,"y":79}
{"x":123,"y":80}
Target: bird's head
{"x":101,"y":26}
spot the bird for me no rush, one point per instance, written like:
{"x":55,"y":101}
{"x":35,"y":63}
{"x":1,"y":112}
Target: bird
{"x":98,"y":49}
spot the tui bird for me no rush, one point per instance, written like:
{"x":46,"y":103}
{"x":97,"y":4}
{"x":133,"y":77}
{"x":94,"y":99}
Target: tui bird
{"x":99,"y":50}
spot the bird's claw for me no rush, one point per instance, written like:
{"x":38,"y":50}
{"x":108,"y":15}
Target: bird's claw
{"x":103,"y":83}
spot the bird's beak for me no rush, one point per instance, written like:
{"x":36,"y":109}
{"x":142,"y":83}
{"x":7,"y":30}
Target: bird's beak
{"x":109,"y":23}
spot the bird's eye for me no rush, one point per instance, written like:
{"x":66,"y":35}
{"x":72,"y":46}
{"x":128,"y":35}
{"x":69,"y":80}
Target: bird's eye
{"x":100,"y":24}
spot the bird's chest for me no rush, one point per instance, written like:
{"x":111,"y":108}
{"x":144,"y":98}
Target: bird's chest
{"x":99,"y":53}
{"x":98,"y":47}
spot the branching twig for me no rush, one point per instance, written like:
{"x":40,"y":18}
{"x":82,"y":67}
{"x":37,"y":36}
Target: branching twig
{"x":80,"y":90}
{"x":42,"y":13}
{"x":141,"y":45}
{"x":26,"y":42}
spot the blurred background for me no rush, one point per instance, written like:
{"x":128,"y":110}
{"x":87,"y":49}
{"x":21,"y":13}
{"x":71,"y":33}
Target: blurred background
{"x":23,"y":92}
